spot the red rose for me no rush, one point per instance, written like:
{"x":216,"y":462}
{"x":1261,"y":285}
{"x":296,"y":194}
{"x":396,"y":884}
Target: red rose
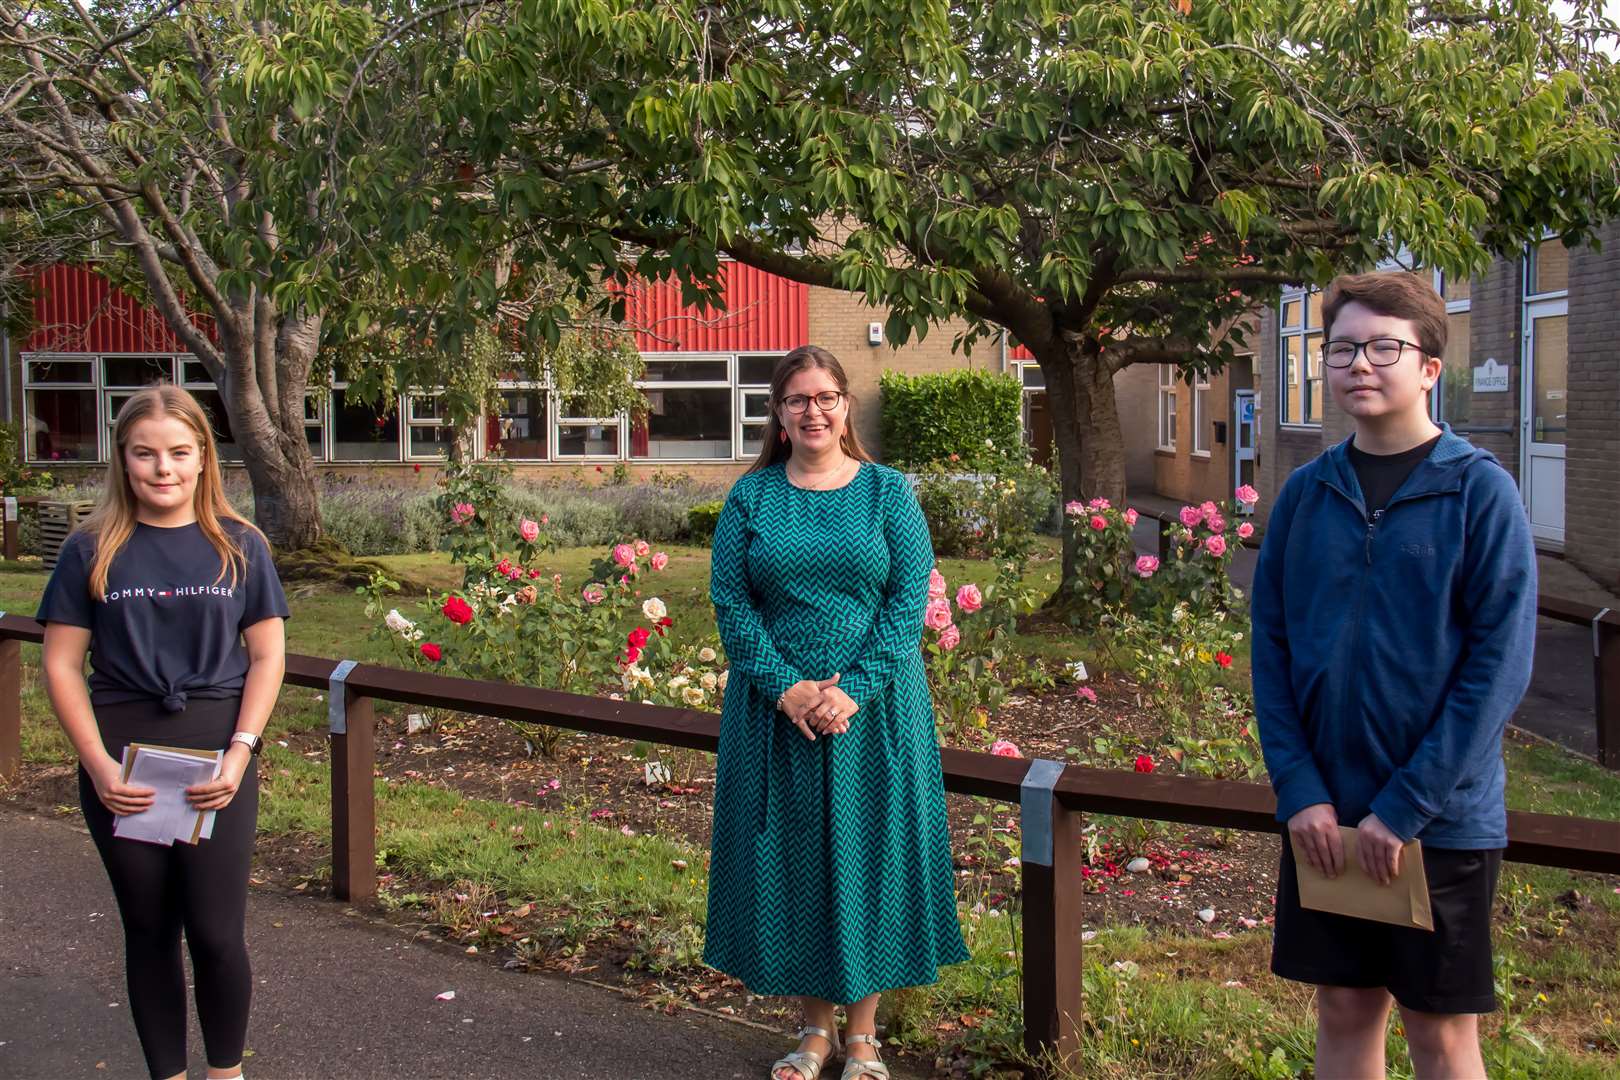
{"x":638,"y":637}
{"x":432,"y":651}
{"x":1224,"y":659}
{"x":458,"y":610}
{"x":1144,"y":763}
{"x":632,"y":654}
{"x":666,"y":621}
{"x":417,"y":467}
{"x":1098,"y":522}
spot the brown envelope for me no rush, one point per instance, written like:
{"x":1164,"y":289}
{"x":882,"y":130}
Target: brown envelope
{"x":1404,"y":901}
{"x":135,"y":748}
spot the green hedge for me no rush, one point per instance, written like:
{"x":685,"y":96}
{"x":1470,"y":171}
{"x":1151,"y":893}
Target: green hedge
{"x":930,"y":417}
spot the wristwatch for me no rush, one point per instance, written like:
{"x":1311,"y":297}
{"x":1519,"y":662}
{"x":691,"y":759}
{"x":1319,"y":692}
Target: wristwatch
{"x":250,"y":740}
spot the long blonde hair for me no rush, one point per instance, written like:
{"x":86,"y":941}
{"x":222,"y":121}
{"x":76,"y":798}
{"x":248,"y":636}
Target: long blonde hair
{"x":113,"y":521}
{"x":806,"y":358}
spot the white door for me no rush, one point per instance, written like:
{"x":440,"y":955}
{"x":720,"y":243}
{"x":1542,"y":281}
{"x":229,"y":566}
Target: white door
{"x":1243,"y":443}
{"x":1545,"y":416}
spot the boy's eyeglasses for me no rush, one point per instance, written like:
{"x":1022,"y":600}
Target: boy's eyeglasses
{"x":1380,"y":351}
{"x":826,"y":401}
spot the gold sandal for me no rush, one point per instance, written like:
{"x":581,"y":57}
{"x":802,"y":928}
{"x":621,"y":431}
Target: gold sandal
{"x":855,"y":1069}
{"x":807,"y":1063}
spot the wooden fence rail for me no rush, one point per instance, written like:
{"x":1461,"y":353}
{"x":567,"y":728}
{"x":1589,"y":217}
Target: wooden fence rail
{"x":1053,"y":799}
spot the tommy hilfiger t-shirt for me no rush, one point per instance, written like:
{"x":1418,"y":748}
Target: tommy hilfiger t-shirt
{"x":167,"y":629}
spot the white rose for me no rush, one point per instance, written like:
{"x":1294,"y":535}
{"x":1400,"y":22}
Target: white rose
{"x":692,"y":696}
{"x":706,"y":655}
{"x":724,"y":675}
{"x":396,"y":622}
{"x":654,"y":609}
{"x":678,"y":681}
{"x":708,"y":681}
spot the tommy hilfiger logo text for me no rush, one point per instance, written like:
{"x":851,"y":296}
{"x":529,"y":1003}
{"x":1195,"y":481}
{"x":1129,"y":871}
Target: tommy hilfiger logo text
{"x":179,"y":590}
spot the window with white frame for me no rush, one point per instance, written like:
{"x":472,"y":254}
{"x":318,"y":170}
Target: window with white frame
{"x":581,"y":436}
{"x":1455,"y":404}
{"x":427,"y":436}
{"x":688,"y":417}
{"x":1200,"y":414}
{"x":123,"y":376}
{"x":194,"y":377}
{"x":362,"y":432}
{"x":520,"y":429}
{"x":1167,"y":406}
{"x":754,"y":400}
{"x":60,"y":408}
{"x":1300,"y":357}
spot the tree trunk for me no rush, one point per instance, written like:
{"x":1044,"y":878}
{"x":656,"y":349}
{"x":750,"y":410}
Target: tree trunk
{"x":1086,"y":430}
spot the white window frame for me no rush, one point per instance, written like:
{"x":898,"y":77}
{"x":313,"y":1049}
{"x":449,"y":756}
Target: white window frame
{"x":1166,"y":409}
{"x":1299,"y":397}
{"x":543,"y":387}
{"x":741,"y":420}
{"x":329,"y":415}
{"x":123,"y":390}
{"x":1201,"y":439}
{"x":93,"y":386}
{"x":727,"y":383}
{"x":410,"y":422}
{"x":1437,"y":403}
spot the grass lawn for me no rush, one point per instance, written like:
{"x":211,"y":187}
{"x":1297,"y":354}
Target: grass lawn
{"x":1156,"y":1005}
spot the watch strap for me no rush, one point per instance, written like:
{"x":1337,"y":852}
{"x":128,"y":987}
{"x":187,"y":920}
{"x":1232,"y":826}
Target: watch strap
{"x":253,"y":742}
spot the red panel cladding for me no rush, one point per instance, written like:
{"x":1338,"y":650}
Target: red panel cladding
{"x":77,"y":310}
{"x":762,"y":312}
{"x":1019,"y":352}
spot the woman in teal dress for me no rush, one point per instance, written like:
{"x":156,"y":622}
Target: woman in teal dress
{"x":831,"y":875}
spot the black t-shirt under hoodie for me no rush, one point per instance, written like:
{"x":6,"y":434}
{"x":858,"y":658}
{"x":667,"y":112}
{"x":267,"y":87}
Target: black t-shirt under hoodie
{"x":170,"y":628}
{"x":1381,"y":475}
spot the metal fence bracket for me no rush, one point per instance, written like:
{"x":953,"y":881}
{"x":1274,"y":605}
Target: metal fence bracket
{"x":337,"y":704}
{"x":1035,"y":810}
{"x":1597,"y":623}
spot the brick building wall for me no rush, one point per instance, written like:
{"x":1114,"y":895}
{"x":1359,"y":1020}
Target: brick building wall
{"x":1592,"y":455}
{"x":1497,"y":314}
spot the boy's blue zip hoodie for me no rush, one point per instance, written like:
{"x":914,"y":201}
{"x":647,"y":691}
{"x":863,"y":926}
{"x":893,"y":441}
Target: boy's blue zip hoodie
{"x":1389,"y":650}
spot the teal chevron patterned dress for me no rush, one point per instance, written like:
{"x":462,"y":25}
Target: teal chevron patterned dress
{"x":831,"y":868}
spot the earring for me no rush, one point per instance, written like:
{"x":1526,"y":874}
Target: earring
{"x":782,"y":435}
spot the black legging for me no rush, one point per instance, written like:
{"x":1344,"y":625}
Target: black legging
{"x":200,"y":888}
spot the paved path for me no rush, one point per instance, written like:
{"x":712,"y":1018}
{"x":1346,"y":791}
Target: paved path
{"x":336,"y":996}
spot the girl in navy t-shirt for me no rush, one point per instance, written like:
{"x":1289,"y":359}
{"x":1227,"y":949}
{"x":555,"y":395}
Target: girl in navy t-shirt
{"x":174,"y":597}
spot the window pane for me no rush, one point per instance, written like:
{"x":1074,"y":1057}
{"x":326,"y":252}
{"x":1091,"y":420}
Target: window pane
{"x":62,"y":371}
{"x":62,"y":425}
{"x":753,"y":438}
{"x":1456,"y":288}
{"x":1201,"y":424}
{"x":360,"y":434}
{"x":1457,"y":378}
{"x":425,"y":407}
{"x":316,"y":449}
{"x":114,"y":403}
{"x":192,"y":371}
{"x":1290,"y":313}
{"x":594,"y":440}
{"x":1290,"y":380}
{"x":136,"y":370}
{"x":1550,"y":338}
{"x":684,"y":424}
{"x":519,"y":430}
{"x":214,"y":406}
{"x":1313,"y":401}
{"x":755,"y":370}
{"x":685,"y":371}
{"x":1551,"y":267}
{"x":1034,"y":377}
{"x":756,"y":405}
{"x":431,"y":441}
{"x":1313,"y":309}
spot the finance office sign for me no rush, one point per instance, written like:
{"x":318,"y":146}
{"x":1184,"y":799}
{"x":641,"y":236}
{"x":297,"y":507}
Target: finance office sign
{"x":1491,"y":377}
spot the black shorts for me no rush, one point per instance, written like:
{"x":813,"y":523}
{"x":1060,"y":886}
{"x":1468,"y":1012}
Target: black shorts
{"x":1447,"y":970}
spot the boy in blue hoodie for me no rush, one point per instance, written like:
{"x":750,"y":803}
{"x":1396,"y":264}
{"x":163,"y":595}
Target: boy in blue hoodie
{"x":1394,"y":615}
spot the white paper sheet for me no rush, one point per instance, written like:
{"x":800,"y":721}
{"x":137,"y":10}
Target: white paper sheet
{"x":168,"y":774}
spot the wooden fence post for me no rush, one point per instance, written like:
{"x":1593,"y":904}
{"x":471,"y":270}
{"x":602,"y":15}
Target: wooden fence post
{"x":1606,"y":696}
{"x":354,"y":804}
{"x":11,"y":525}
{"x":10,"y":707}
{"x":1050,"y":867}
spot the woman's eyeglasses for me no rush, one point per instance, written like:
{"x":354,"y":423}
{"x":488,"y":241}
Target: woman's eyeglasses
{"x":826,"y":401}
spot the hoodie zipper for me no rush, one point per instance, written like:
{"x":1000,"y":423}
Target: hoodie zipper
{"x":1372,"y":527}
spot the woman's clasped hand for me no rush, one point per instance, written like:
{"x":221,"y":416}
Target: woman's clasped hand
{"x":818,"y":707}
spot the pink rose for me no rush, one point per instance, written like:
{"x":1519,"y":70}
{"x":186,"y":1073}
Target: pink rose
{"x":1191,"y":516}
{"x":938,"y":615}
{"x":969,"y":599}
{"x":515,"y":573}
{"x":1208,"y":509}
{"x":624,"y":554}
{"x":1216,"y":523}
{"x":1086,"y":693}
{"x":1074,"y":509}
{"x":1098,"y":504}
{"x":1098,"y":522}
{"x":660,"y":560}
{"x":950,"y":637}
{"x":1216,"y":546}
{"x":1245,"y":531}
{"x":1130,"y":517}
{"x":462,"y":513}
{"x":594,"y":594}
{"x":529,"y":530}
{"x":642,"y":549}
{"x":1004,"y":748}
{"x":1247,"y":494}
{"x":545,"y":519}
{"x":1146,"y":566}
{"x":936,"y":585}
